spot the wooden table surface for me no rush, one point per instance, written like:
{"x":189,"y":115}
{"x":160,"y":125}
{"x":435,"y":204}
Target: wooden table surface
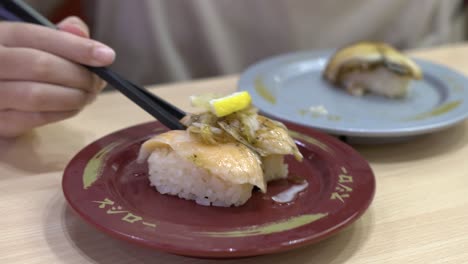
{"x":419,"y":213}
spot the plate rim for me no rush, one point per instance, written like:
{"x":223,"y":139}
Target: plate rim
{"x":212,"y":254}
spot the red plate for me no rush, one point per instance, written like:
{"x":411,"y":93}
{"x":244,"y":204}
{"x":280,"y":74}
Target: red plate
{"x":108,"y":189}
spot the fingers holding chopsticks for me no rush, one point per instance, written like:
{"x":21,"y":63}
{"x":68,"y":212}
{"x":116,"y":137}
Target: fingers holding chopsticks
{"x":75,"y":26}
{"x":41,"y":79}
{"x":15,"y":123}
{"x":69,"y":46}
{"x":40,"y":97}
{"x":25,"y":64}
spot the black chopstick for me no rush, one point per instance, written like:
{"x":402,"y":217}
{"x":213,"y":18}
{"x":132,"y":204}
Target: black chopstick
{"x":166,"y":113}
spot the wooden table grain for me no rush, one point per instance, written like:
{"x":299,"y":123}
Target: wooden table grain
{"x":419,"y":214}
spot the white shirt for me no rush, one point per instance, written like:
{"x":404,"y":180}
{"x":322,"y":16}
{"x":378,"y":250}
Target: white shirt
{"x":173,"y":40}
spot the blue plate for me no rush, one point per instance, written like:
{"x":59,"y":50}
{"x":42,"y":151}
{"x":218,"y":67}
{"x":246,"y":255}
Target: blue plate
{"x":291,"y":87}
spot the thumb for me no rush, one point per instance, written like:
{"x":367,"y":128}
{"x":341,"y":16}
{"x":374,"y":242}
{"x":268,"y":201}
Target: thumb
{"x":75,"y":26}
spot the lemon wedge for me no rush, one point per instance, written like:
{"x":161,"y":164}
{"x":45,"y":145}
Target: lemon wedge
{"x":229,"y":104}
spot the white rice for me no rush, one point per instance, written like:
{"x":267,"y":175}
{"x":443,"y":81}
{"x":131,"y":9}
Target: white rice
{"x":175,"y":175}
{"x":274,"y":167}
{"x":380,"y":81}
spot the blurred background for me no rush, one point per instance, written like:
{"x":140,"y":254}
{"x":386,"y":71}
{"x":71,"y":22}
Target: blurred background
{"x":160,"y":41}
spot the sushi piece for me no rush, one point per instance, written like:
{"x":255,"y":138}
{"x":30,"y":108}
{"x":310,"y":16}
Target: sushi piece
{"x":273,"y":142}
{"x":267,"y":138}
{"x":220,"y":158}
{"x":372,"y":67}
{"x":220,"y":175}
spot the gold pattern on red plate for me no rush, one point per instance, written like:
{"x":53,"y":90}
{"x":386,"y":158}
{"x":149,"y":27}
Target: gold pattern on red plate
{"x":128,"y":217}
{"x":343,"y":189}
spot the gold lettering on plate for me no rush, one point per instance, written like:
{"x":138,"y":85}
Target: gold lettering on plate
{"x":104,"y":203}
{"x":339,"y":196}
{"x":128,"y":217}
{"x":131,"y":218}
{"x":342,"y":189}
{"x":149,"y":224}
{"x":115,"y":210}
